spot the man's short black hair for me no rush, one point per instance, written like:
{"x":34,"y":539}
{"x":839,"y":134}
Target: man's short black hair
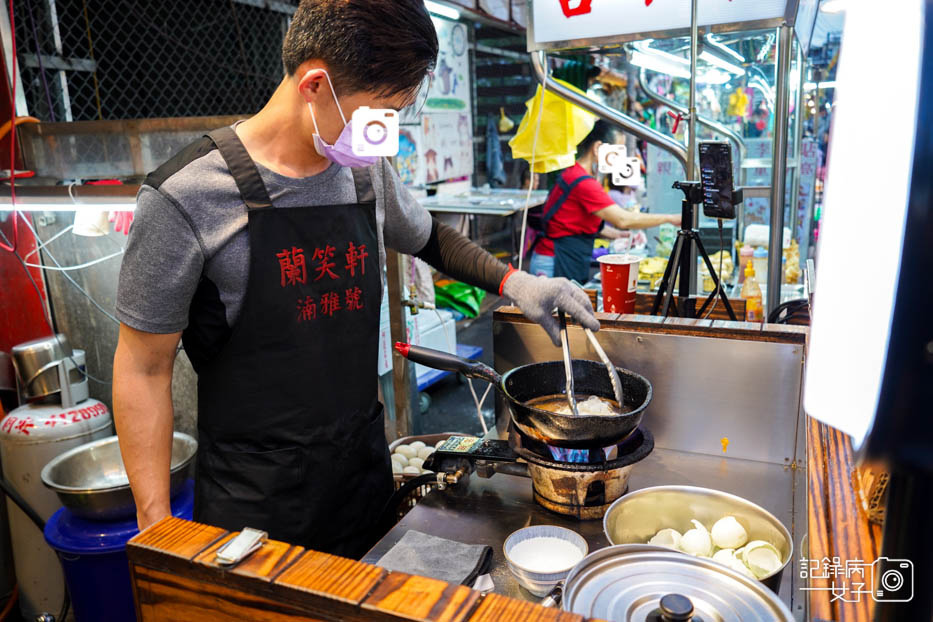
{"x":380,"y":46}
{"x":602,"y":132}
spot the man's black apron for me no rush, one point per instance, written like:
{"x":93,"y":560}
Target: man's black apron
{"x":290,"y":428}
{"x":572,"y":253}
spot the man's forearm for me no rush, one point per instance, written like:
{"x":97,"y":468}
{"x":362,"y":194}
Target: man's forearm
{"x":142,"y":404}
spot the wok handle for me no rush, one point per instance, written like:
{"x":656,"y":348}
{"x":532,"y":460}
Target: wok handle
{"x":554,"y":597}
{"x":437,"y":359}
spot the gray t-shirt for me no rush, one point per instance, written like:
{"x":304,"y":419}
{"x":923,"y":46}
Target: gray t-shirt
{"x":194,"y":226}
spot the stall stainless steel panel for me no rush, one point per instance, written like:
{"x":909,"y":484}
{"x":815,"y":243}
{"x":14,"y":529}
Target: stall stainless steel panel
{"x":705,"y":388}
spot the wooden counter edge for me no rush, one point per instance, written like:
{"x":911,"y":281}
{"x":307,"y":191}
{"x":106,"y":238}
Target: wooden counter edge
{"x":837,"y":525}
{"x":174,"y":577}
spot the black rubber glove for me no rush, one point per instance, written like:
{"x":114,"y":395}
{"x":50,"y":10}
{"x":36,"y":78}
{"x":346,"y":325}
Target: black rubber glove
{"x":538,"y":296}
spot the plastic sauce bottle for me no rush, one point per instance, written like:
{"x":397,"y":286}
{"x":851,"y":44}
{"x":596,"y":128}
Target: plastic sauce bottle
{"x":751,"y":292}
{"x":745,"y":257}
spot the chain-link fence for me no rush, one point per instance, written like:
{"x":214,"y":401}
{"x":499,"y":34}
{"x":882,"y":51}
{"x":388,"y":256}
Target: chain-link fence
{"x":127,"y":59}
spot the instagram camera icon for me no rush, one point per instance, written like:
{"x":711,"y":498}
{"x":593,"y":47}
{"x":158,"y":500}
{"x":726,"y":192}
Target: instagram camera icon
{"x":892,"y":580}
{"x":375,"y":132}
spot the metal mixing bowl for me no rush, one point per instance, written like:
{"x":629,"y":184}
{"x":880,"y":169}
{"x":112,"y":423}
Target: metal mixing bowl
{"x":90,"y":480}
{"x":638,"y":516}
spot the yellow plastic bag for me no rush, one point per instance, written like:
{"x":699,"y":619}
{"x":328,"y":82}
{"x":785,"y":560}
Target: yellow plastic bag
{"x":563,"y":126}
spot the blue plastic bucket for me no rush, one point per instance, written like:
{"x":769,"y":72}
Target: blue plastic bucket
{"x":93,"y":557}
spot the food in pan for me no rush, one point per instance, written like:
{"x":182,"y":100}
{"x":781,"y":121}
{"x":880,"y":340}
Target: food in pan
{"x":727,"y":543}
{"x":586,"y":405}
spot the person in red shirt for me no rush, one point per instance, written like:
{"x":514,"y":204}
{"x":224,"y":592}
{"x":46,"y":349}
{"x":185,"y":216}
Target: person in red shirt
{"x":578,"y":209}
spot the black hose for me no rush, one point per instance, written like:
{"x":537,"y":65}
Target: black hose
{"x":66,"y":604}
{"x":15,"y":497}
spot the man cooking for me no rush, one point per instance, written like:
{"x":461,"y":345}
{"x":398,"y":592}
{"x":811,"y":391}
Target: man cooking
{"x":262,"y":247}
{"x":578,"y":209}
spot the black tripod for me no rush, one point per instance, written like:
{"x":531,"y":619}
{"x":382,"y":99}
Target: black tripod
{"x":680,"y":261}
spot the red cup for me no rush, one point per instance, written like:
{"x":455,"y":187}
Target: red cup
{"x":620,"y":279}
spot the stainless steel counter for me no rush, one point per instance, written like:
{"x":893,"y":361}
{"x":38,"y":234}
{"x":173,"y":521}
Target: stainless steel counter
{"x":486,"y":511}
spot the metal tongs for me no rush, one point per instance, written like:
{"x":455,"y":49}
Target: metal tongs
{"x":568,"y":364}
{"x":614,"y":379}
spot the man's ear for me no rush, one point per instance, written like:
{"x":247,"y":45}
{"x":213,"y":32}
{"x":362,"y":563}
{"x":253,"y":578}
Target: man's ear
{"x":313,"y":84}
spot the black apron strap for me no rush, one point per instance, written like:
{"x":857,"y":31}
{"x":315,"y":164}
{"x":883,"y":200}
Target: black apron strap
{"x":242,"y":168}
{"x":363,"y":182}
{"x":565,"y":189}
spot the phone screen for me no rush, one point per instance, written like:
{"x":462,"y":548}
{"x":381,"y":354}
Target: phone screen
{"x":716,"y":179}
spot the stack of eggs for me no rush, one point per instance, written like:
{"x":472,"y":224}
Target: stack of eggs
{"x":408,"y":459}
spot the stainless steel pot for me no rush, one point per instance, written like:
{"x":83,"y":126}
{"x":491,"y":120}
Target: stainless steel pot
{"x":638,"y":516}
{"x":643,"y":583}
{"x":90,"y":480}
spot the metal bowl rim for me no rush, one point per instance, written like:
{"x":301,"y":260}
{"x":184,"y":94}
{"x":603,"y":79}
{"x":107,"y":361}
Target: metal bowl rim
{"x":622,"y":371}
{"x":699,"y":489}
{"x":45,"y":474}
{"x":508,"y":559}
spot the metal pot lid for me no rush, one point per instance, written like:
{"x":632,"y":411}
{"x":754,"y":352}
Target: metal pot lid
{"x":643,"y":583}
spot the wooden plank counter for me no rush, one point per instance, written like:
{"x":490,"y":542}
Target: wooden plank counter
{"x":838,"y":529}
{"x":175,"y":579}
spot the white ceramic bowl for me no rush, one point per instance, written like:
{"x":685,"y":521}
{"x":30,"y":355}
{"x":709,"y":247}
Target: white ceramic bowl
{"x":540,"y":583}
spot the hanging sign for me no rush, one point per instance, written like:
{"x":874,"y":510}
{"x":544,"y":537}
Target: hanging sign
{"x":579,"y":23}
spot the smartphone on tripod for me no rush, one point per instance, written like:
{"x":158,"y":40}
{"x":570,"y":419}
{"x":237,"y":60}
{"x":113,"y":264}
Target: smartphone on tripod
{"x":717,"y":181}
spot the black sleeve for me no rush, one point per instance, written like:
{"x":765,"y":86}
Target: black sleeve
{"x":462,"y":259}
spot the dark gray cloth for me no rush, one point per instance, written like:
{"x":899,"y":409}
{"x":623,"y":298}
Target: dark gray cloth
{"x":460,"y":258}
{"x":429,"y":556}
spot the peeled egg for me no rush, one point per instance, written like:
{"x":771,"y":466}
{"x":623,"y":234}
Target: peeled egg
{"x":416,"y":462}
{"x":667,"y":537}
{"x":406,"y":450}
{"x":396,"y":467}
{"x":697,"y":541}
{"x":403,"y":460}
{"x":417,"y":445}
{"x":728,"y":533}
{"x":727,"y":557}
{"x":412,"y":470}
{"x":424,"y":452}
{"x":762,"y":558}
{"x":426,"y":471}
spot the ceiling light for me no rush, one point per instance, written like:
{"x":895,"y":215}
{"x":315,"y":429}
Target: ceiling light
{"x":724,"y":48}
{"x":65,"y":206}
{"x":833,"y":6}
{"x":659,"y":64}
{"x":712,"y":59}
{"x":441,"y":9}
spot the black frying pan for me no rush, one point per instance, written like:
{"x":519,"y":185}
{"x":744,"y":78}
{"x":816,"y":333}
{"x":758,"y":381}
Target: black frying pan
{"x":539,"y":379}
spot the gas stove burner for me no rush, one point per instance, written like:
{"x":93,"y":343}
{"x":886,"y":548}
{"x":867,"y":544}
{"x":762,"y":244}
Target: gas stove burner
{"x":636,"y":446}
{"x":582,"y":489}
